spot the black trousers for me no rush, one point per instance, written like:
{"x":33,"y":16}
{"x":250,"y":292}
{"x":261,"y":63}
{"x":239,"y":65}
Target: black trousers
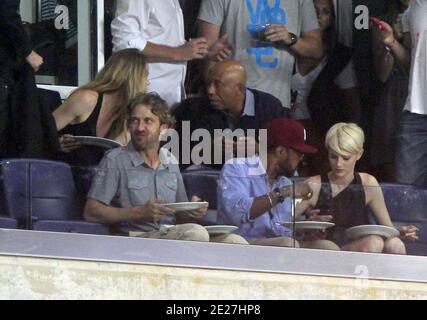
{"x":5,"y":115}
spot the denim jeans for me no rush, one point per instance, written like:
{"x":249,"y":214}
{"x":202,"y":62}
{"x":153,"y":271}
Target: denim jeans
{"x":411,"y":150}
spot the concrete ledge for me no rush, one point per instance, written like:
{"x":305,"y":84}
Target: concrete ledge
{"x":36,"y":278}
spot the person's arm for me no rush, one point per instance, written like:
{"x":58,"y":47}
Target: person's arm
{"x":375,"y":201}
{"x":234,"y":203}
{"x":308,"y":45}
{"x":401,"y":51}
{"x":128,"y":32}
{"x":76,"y":107}
{"x":306,"y":205}
{"x":263,"y":204}
{"x":11,"y":26}
{"x":383,"y":60}
{"x":105,"y":186}
{"x":193,"y":49}
{"x":211,"y":33}
{"x":96,"y":211}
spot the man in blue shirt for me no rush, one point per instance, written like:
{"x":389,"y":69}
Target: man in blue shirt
{"x":254,"y":197}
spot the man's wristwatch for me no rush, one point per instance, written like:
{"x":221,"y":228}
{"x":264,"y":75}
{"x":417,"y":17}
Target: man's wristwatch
{"x":280,"y":197}
{"x":294,"y":39}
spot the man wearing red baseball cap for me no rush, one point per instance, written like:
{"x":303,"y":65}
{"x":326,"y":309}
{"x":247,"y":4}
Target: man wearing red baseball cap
{"x":291,"y":137}
{"x":257,"y":198}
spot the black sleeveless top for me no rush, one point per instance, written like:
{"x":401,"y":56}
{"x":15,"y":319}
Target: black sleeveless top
{"x":86,"y":155}
{"x":348,"y":207}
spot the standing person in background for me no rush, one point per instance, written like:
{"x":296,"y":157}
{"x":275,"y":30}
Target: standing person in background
{"x":411,"y":148}
{"x":265,"y":35}
{"x":326,"y":88}
{"x":392,"y":94}
{"x":18,"y":111}
{"x":157,"y":29}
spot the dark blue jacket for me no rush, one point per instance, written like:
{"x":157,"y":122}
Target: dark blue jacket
{"x":202,"y":116}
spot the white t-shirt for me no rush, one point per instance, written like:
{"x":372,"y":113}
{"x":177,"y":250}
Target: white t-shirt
{"x":160,"y":22}
{"x":303,"y":84}
{"x":415,"y":22}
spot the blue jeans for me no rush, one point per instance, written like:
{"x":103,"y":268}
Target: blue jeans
{"x":411,"y":150}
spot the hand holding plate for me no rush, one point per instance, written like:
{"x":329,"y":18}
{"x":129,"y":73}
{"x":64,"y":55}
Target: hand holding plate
{"x":199,"y":213}
{"x":67,"y":143}
{"x":153,"y":210}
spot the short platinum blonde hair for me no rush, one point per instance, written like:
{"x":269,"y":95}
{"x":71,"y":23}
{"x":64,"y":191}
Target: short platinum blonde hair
{"x":345,"y":138}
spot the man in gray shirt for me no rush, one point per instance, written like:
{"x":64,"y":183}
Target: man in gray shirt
{"x":266,"y":35}
{"x":133,"y":183}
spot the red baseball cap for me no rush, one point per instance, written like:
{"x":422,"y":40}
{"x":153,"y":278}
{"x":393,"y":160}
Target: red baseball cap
{"x":288,"y":133}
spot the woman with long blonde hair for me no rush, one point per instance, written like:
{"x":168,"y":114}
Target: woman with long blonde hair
{"x":98,"y":108}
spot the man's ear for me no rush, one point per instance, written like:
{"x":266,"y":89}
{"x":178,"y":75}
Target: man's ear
{"x":280,"y":151}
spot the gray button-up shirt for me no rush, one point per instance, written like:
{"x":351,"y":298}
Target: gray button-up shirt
{"x":123,"y":180}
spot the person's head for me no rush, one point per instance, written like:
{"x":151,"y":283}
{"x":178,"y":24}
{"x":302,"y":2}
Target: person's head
{"x":125,"y":73}
{"x":325,"y":11}
{"x":344,"y":142}
{"x":287,"y":145}
{"x":403,"y":4}
{"x":148,"y":116}
{"x":394,"y":9}
{"x":226,"y":86}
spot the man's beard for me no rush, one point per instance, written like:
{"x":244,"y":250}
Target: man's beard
{"x":150,"y":143}
{"x":286,"y":170}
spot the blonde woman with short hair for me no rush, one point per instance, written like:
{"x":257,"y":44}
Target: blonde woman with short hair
{"x":342,"y":195}
{"x":99,"y":108}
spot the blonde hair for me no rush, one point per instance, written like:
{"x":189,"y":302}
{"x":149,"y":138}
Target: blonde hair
{"x":345,"y":138}
{"x":125,"y":72}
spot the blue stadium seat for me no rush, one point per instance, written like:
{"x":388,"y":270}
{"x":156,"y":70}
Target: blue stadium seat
{"x":45,"y":191}
{"x":407,"y":205}
{"x":14,"y":194}
{"x":204,"y":185}
{"x":8,"y":223}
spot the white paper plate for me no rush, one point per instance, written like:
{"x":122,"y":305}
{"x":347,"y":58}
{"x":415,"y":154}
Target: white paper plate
{"x":186,"y":206}
{"x":314,"y":225}
{"x":368,"y":230}
{"x":216,"y":230}
{"x":98,"y":142}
